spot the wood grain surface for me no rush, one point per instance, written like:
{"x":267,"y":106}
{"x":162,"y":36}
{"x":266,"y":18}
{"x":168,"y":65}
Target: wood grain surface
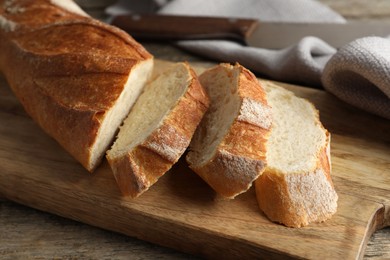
{"x":361,"y":9}
{"x":182,"y":212}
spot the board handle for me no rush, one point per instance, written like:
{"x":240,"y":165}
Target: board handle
{"x":168,"y":27}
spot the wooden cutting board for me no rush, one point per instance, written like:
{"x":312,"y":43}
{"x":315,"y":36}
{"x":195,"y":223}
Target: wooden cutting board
{"x":182,"y":212}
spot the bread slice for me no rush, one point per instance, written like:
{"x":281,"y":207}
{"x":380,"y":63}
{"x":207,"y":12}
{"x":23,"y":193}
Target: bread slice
{"x":158,"y":129}
{"x":75,"y":76}
{"x":296,"y":187}
{"x":229,"y":147}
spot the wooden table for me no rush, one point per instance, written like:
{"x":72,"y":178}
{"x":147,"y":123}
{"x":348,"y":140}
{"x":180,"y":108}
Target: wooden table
{"x":29,"y":233}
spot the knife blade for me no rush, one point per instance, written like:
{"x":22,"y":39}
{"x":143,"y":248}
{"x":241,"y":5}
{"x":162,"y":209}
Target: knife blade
{"x":270,"y":35}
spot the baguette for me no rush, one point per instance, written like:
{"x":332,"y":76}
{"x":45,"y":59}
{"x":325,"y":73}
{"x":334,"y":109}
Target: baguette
{"x":228,"y":150}
{"x":75,"y":76}
{"x":296,"y":187}
{"x":158,"y":129}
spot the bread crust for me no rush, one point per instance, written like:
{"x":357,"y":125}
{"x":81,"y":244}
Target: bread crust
{"x":298,"y":199}
{"x":66,"y":69}
{"x":241,"y":156}
{"x":141,"y":167}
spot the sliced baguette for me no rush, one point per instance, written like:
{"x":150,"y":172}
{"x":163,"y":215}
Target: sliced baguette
{"x":296,"y":187}
{"x":229,"y":147}
{"x":75,"y":76}
{"x":158,"y":129}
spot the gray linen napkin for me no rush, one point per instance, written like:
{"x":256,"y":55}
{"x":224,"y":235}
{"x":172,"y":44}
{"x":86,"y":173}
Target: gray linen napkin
{"x":359,"y":74}
{"x":301,"y":63}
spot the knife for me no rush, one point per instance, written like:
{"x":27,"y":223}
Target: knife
{"x":270,"y":35}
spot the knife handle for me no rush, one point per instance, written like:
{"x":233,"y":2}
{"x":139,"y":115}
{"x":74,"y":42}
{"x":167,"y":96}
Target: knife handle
{"x":168,"y":27}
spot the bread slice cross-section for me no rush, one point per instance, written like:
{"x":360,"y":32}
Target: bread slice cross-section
{"x":229,"y":147}
{"x":296,"y":187}
{"x":158,"y":129}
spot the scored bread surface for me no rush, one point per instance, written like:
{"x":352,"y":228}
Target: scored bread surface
{"x":228,"y":150}
{"x":75,"y":76}
{"x":158,"y":129}
{"x":296,"y":187}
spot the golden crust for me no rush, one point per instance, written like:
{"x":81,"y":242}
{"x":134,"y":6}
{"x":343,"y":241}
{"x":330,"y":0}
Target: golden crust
{"x":67,"y":70}
{"x":299,"y":199}
{"x":230,"y":174}
{"x":241,"y":156}
{"x":147,"y":162}
{"x":239,"y":160}
{"x":138,"y":170}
